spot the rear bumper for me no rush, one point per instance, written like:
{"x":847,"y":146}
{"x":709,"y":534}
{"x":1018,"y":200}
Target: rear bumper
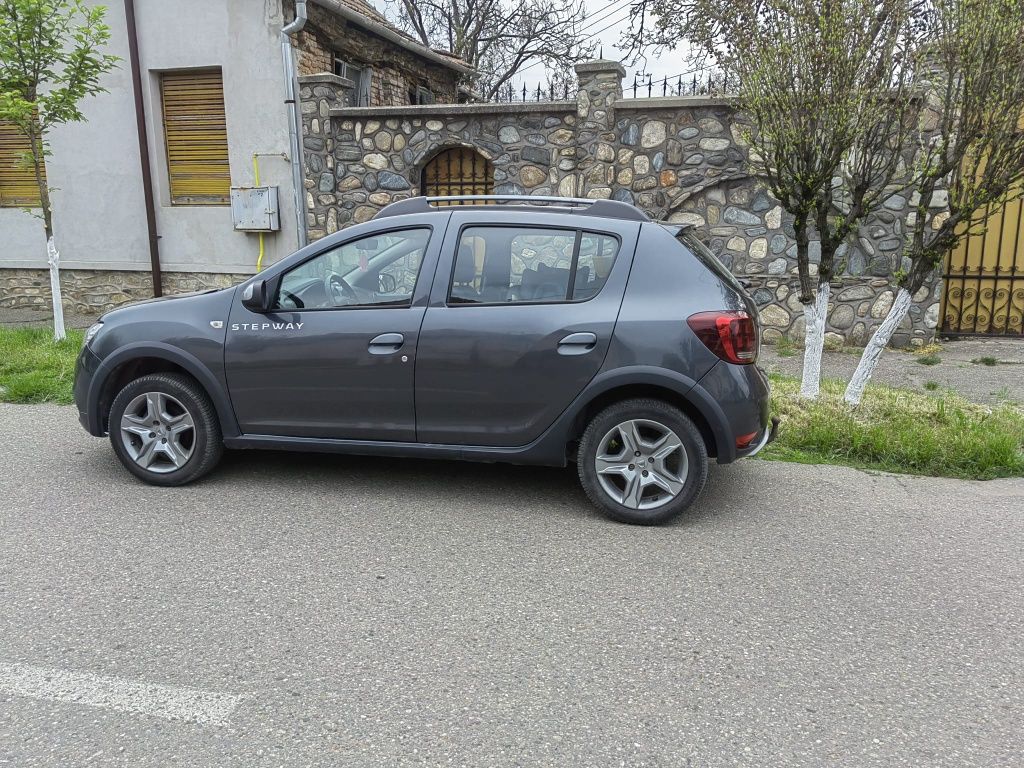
{"x":741,"y":394}
{"x":770,"y":433}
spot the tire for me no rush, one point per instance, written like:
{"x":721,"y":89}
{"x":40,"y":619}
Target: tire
{"x":179,"y":443}
{"x":654,"y":487}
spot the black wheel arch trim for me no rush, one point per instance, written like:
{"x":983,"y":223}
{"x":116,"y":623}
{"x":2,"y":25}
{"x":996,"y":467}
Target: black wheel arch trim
{"x":187,"y":361}
{"x":684,"y":387}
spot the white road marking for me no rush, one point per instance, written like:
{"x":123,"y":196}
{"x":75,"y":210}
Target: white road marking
{"x":169,"y":702}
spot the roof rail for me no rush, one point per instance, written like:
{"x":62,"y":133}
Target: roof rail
{"x":610,"y":209}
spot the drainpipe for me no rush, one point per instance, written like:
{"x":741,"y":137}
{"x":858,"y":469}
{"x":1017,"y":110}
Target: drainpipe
{"x":147,"y":171}
{"x":294,"y":125}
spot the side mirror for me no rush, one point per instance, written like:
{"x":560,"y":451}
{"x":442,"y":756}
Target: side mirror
{"x":257,"y":296}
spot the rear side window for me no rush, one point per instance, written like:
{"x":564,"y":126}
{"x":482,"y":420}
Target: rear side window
{"x":517,"y":265}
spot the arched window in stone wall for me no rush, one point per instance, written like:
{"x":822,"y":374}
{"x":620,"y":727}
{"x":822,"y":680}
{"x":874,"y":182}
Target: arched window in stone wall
{"x":457,"y":171}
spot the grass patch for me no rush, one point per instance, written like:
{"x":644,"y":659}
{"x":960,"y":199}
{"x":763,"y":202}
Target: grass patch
{"x":929,"y":359}
{"x":987,"y":360}
{"x":785,"y":347}
{"x":931,"y":386}
{"x":36,"y":369}
{"x":897,"y":430}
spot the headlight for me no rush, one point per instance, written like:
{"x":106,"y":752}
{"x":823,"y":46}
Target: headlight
{"x":91,"y":333}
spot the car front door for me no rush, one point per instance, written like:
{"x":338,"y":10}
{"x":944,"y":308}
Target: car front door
{"x":333,"y":357}
{"x":519,"y":321}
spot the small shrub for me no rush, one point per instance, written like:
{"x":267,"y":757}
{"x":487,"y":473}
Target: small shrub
{"x":931,"y":386}
{"x":928,"y":349}
{"x":986,"y":360}
{"x":929,"y":359}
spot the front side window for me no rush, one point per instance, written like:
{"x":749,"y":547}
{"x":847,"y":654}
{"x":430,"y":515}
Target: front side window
{"x":509,"y":265}
{"x":379,"y":270}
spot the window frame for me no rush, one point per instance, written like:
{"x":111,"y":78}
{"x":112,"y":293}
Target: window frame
{"x":278,"y":279}
{"x":579,"y":233}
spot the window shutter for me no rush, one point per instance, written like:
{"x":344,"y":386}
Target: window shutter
{"x":18,"y":187}
{"x":195,"y":127}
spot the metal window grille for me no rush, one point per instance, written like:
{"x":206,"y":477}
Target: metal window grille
{"x":457,"y":171}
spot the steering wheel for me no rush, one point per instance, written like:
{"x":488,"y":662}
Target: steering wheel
{"x":387,"y":282}
{"x":340,"y":291}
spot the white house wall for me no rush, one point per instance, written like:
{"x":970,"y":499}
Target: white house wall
{"x":100,"y":217}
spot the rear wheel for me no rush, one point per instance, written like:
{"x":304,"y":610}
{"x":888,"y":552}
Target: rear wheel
{"x":642,"y":462}
{"x":164,"y":429}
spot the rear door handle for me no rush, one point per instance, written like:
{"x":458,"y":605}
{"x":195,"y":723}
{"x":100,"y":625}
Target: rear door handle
{"x":386,"y":344}
{"x":577,"y":344}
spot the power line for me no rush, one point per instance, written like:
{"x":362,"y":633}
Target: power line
{"x":589,"y":37}
{"x":590,"y":22}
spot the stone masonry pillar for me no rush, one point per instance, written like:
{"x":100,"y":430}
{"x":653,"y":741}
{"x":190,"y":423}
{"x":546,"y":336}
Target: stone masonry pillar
{"x":600,"y":84}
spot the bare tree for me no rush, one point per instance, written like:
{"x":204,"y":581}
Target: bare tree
{"x":970,"y":142}
{"x":824,"y":84}
{"x":501,"y":38}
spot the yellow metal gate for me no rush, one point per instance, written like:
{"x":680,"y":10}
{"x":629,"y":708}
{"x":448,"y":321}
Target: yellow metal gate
{"x":984,"y":277}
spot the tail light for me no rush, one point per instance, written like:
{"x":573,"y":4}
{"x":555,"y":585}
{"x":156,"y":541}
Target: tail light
{"x":731,"y":335}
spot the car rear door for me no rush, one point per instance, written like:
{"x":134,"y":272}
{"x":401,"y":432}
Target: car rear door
{"x":519,"y":321}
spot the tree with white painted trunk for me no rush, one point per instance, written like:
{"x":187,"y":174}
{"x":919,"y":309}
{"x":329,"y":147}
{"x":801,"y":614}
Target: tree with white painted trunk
{"x":824,"y":84}
{"x":970,"y":142}
{"x":50,"y":60}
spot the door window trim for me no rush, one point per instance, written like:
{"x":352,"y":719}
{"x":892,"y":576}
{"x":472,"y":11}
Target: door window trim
{"x":579,"y":233}
{"x":277,"y":279}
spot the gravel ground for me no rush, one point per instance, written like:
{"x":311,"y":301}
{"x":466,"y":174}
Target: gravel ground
{"x":370,"y":612}
{"x":955,"y":371}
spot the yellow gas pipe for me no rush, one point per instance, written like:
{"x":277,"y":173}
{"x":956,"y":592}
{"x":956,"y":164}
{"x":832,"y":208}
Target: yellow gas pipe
{"x":256,"y":170}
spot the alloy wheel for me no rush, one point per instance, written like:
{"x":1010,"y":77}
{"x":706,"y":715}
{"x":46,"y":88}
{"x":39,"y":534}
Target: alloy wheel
{"x":641,"y":464}
{"x":158,"y":432}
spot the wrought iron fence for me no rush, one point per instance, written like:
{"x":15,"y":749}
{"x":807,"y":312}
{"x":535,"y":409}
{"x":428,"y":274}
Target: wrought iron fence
{"x":698,"y":83}
{"x":509,"y":93}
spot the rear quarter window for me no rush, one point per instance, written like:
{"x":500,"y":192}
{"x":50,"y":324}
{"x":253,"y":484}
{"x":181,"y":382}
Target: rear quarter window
{"x":688,"y":238}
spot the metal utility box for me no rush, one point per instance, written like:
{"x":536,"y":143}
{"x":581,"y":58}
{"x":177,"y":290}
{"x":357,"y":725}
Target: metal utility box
{"x":255,"y":209}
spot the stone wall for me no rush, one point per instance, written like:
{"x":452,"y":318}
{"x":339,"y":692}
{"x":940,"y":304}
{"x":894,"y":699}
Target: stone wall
{"x":396,"y":71}
{"x":91,"y":292}
{"x":681,"y":159}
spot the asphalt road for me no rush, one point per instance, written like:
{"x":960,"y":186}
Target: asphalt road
{"x":332,"y":611}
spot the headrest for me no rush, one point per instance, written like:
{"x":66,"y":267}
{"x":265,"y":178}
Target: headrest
{"x":465,"y":265}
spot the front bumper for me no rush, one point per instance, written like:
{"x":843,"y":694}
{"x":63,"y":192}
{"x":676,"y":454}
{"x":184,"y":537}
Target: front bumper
{"x":85,"y":369}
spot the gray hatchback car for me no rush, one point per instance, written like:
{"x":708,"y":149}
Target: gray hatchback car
{"x":525,"y":330}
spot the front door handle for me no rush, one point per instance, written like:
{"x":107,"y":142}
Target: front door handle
{"x":577,"y":344}
{"x":386,"y":344}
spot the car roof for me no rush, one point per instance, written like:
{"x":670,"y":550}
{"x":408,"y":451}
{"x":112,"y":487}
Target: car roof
{"x":607,"y":209}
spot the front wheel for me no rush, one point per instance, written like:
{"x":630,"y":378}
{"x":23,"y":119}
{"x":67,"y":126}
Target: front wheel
{"x":642,"y":462}
{"x":164,"y":429}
